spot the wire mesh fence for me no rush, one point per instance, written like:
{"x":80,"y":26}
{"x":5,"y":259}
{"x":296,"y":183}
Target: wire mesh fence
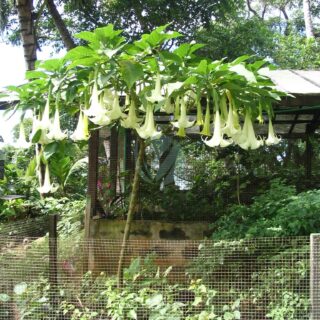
{"x":257,"y":279}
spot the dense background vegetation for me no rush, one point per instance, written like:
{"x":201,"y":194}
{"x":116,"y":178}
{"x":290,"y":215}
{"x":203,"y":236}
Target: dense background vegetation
{"x":223,"y":185}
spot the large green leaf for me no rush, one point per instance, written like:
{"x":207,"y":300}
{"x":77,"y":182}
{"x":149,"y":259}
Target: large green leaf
{"x":241,"y":70}
{"x":33,"y":74}
{"x":80,"y":164}
{"x":131,"y":72}
{"x":87,"y":36}
{"x":107,"y":32}
{"x":52,"y":65}
{"x":79,"y":53}
{"x":50,"y":150}
{"x":36,"y":137}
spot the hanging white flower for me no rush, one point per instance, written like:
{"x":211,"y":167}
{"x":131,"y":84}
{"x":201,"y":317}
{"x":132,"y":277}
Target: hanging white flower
{"x":47,"y":187}
{"x":148,"y":130}
{"x":116,"y":112}
{"x":183,"y":120}
{"x":97,"y":113}
{"x":199,"y":121}
{"x":168,"y":107}
{"x":38,"y":128}
{"x":248,"y":135}
{"x":132,"y":121}
{"x":206,"y":130}
{"x":232,"y":126}
{"x":45,"y":120}
{"x":82,"y":131}
{"x":22,"y":143}
{"x":217,"y":138}
{"x":55,"y":132}
{"x":156,"y":96}
{"x":272,"y":138}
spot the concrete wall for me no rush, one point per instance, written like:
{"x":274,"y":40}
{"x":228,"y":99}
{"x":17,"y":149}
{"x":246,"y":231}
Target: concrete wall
{"x":172,"y":244}
{"x":149,"y":230}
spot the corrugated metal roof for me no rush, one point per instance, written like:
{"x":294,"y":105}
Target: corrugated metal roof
{"x":299,"y":82}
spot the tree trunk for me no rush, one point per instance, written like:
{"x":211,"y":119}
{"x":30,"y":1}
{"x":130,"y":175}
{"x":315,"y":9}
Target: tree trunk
{"x":307,"y":19}
{"x":28,"y":37}
{"x":60,"y":25}
{"x":132,"y":206}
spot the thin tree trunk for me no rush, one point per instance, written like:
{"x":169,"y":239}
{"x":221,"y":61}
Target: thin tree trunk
{"x":255,"y":13}
{"x":132,"y":206}
{"x":60,"y":25}
{"x":28,"y":37}
{"x":308,"y":19}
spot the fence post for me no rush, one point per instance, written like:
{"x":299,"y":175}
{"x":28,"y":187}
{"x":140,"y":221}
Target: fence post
{"x":315,"y":275}
{"x":53,"y":258}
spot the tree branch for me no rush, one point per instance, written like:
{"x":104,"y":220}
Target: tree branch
{"x":264,"y":11}
{"x":252,"y":10}
{"x":60,"y":25}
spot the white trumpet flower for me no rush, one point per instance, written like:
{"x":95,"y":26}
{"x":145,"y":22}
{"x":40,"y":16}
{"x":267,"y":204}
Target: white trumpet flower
{"x":183,"y":121}
{"x":95,"y":105}
{"x":168,"y":107}
{"x":55,"y":132}
{"x":108,"y":96}
{"x":148,"y":130}
{"x":206,"y":131}
{"x":232,"y":126}
{"x":116,"y":112}
{"x":272,"y":138}
{"x":248,"y":135}
{"x":217,"y":138}
{"x":82,"y":132}
{"x":173,"y":86}
{"x":22,"y":143}
{"x":199,"y":121}
{"x":38,"y":128}
{"x":47,"y":187}
{"x":132,"y":121}
{"x":97,"y":113}
{"x":45,"y":120}
{"x":156,"y":96}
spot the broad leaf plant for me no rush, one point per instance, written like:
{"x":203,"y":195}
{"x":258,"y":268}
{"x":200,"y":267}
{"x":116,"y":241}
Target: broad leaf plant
{"x":110,"y":82}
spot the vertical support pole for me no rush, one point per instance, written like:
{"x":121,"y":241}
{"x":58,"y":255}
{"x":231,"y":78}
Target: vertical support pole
{"x":121,"y":159}
{"x":93,"y":168}
{"x":128,"y":151}
{"x":308,"y":157}
{"x":53,"y":258}
{"x":315,"y":276}
{"x":114,"y":160}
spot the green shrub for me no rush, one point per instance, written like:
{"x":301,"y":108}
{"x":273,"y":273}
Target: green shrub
{"x":277,"y":212}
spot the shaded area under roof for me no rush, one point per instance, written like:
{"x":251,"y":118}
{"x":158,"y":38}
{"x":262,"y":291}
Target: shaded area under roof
{"x":298,"y":115}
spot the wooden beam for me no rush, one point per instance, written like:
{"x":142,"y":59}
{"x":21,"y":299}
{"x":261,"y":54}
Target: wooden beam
{"x":93,"y":168}
{"x":299,"y":100}
{"x":113,"y":160}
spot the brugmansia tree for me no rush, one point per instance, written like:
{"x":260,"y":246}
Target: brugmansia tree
{"x":110,"y":82}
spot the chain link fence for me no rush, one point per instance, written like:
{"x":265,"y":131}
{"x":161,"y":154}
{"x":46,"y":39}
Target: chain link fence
{"x":70,"y":278}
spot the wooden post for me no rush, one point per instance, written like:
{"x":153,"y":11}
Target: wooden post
{"x":129,"y":161}
{"x":308,"y":155}
{"x":53,"y":258}
{"x":315,"y":276}
{"x":93,"y":168}
{"x":114,"y":160}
